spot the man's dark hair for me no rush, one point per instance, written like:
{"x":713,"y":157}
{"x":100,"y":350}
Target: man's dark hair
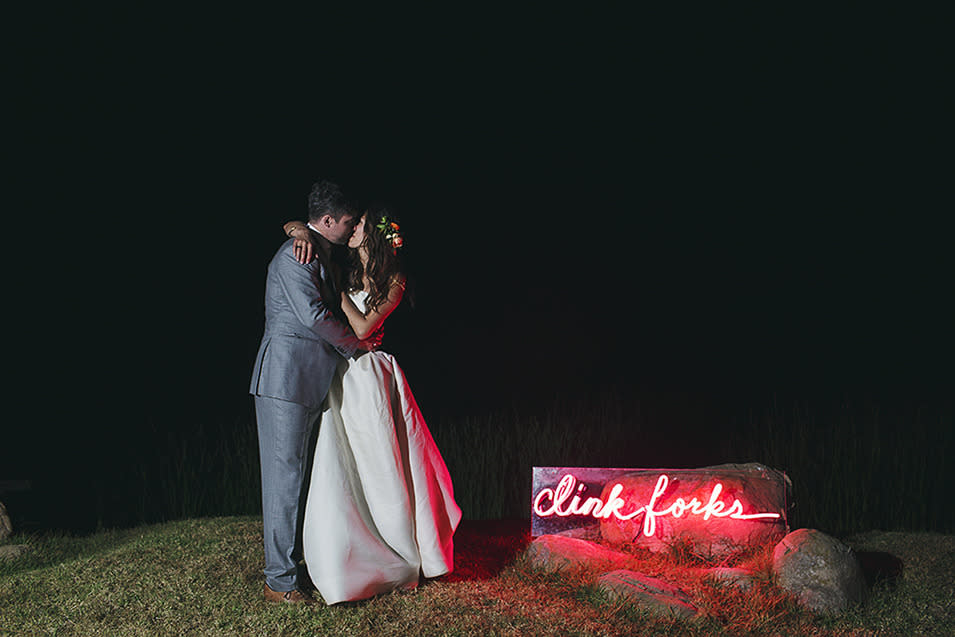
{"x":326,"y":198}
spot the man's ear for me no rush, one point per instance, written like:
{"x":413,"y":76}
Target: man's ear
{"x":326,"y":221}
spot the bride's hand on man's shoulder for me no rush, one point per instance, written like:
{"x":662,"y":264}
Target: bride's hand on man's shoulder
{"x":302,"y":246}
{"x":303,"y":250}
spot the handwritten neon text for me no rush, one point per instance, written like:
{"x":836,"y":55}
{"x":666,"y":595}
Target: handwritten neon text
{"x":566,"y":500}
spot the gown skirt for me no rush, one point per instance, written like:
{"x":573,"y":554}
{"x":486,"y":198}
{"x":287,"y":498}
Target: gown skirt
{"x":380,"y":509}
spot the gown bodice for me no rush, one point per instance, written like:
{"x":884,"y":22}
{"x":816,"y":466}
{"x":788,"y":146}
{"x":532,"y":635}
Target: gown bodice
{"x":359,"y":297}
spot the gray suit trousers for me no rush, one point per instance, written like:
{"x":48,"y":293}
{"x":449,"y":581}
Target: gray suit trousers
{"x":284,"y":431}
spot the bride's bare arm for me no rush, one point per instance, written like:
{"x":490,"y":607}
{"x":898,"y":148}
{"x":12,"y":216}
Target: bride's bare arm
{"x":303,"y":247}
{"x":365,"y":325}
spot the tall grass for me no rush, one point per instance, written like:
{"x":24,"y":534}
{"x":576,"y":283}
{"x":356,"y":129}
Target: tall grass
{"x":490,"y":457}
{"x":855,"y":466}
{"x":210,"y":471}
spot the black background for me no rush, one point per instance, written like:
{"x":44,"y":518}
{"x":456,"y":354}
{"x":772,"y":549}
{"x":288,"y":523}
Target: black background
{"x":717,"y":203}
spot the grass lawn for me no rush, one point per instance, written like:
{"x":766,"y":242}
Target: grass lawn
{"x":203,"y":577}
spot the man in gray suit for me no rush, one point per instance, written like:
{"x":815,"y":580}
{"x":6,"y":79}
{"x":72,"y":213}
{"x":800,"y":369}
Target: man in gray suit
{"x":305,"y":339}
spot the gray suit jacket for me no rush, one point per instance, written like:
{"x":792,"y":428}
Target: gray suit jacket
{"x":303,"y":341}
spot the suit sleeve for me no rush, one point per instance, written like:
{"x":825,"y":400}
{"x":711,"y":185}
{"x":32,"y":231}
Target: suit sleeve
{"x":301,"y":289}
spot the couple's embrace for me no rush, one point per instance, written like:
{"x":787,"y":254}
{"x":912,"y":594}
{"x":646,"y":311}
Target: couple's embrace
{"x":378,"y":511}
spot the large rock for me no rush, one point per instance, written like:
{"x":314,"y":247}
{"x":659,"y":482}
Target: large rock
{"x":759,"y":489}
{"x":561,"y":553}
{"x":6,"y":527}
{"x":820,"y":571}
{"x":659,"y":597}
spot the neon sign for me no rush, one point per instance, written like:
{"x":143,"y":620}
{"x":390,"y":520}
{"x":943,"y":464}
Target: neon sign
{"x":549,"y":502}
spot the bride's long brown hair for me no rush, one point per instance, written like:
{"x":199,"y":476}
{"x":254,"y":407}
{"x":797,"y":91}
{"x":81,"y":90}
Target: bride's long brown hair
{"x":384,"y":264}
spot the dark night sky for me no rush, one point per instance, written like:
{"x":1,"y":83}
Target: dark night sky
{"x":707,"y":202}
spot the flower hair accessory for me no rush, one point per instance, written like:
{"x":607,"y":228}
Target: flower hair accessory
{"x":390,"y":229}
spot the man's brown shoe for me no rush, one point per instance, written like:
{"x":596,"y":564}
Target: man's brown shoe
{"x":289,"y":597}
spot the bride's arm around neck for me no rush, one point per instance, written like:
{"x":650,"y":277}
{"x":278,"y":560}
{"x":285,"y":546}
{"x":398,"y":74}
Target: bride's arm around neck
{"x":365,"y":324}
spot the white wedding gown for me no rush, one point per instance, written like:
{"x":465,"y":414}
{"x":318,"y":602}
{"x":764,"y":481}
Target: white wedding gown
{"x":380,"y":508}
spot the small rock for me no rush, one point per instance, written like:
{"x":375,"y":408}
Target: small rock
{"x":12,"y":550}
{"x":741,"y":578}
{"x":659,"y":597}
{"x":557,"y":552}
{"x":820,"y":571}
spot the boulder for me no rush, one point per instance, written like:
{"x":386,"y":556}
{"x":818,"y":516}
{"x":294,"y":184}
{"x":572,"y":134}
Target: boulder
{"x":6,"y":527}
{"x":561,"y":553}
{"x":758,"y":489}
{"x":820,"y":571}
{"x":655,"y":595}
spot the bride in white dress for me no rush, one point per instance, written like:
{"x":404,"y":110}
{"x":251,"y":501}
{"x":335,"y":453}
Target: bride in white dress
{"x":380,"y":510}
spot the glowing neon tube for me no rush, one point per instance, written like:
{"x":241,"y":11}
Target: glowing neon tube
{"x":567,"y":499}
